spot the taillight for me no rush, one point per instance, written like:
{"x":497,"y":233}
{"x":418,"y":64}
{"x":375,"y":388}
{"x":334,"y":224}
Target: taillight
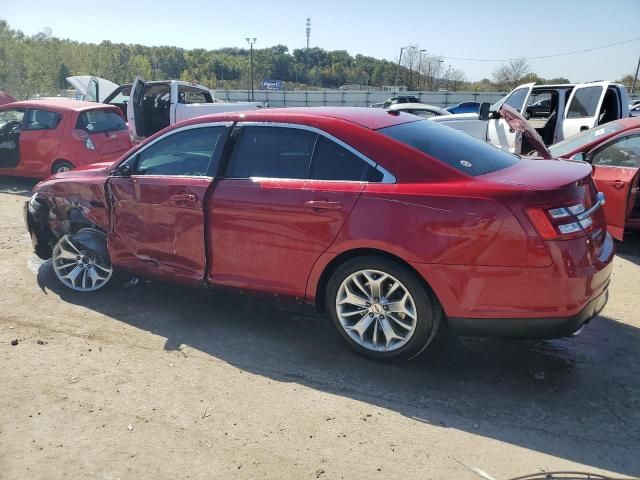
{"x":565,"y":222}
{"x":84,"y":138}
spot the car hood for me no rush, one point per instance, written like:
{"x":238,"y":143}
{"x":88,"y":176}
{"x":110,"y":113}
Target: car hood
{"x":518,"y":123}
{"x":94,"y":170}
{"x":81,"y":84}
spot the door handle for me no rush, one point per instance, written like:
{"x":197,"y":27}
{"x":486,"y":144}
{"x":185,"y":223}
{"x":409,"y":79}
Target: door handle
{"x":322,"y":205}
{"x":183,"y":197}
{"x":618,"y":184}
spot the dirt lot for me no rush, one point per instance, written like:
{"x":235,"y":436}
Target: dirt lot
{"x":156,"y":381}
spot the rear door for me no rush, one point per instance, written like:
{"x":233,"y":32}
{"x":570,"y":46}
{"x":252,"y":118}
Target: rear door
{"x":498,"y":131}
{"x":615,"y":171}
{"x":583,"y":107}
{"x":157,"y":201}
{"x":135,"y":109}
{"x":283,"y":198}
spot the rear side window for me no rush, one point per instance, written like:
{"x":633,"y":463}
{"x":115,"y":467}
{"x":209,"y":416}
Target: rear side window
{"x":100,"y":121}
{"x":272,"y":152}
{"x":42,"y":120}
{"x":452,"y":147}
{"x":585,"y":103}
{"x":187,"y":152}
{"x":334,"y":162}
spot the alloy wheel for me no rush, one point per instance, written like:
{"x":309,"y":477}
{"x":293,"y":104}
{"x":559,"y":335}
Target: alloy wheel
{"x":376,"y":310}
{"x":79,"y":267}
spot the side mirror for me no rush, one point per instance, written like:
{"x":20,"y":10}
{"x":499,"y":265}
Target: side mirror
{"x":123,"y":170}
{"x":483,"y":112}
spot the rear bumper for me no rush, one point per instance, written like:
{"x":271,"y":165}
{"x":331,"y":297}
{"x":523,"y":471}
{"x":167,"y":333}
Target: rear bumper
{"x":529,"y":327}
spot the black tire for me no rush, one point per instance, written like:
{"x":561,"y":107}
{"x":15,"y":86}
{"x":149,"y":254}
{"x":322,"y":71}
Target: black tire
{"x":61,"y":166}
{"x":428,"y":310}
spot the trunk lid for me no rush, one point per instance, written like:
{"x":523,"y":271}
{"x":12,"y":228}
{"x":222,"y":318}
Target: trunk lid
{"x":107,"y":129}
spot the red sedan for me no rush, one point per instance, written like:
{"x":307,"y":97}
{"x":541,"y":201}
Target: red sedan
{"x":41,"y":137}
{"x":614,"y":151}
{"x":390,"y":223}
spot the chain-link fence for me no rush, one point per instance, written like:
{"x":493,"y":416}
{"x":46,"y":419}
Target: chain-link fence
{"x":351,"y":98}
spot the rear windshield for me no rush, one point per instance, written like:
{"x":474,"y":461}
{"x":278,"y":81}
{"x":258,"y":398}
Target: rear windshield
{"x":575,"y":142}
{"x":452,"y":147}
{"x":100,"y":121}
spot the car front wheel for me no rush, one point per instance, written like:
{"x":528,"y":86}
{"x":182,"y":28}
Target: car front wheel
{"x":81,"y":261}
{"x":382,"y":308}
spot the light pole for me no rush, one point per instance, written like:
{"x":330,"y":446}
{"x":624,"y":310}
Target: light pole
{"x":251,"y":41}
{"x":440,"y":62}
{"x":398,"y":69}
{"x":420,"y":68}
{"x":448,"y":73}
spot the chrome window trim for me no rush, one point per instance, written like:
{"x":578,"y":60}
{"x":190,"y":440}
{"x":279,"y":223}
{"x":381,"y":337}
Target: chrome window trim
{"x":166,"y":135}
{"x":387,"y":177}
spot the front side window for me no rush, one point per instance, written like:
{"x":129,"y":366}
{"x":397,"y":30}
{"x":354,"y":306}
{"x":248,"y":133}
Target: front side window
{"x":189,"y":95}
{"x":100,"y":121}
{"x":585,"y":102}
{"x":42,"y":119}
{"x":15,"y":116}
{"x":192,"y":152}
{"x":517,"y":98}
{"x":624,"y":152}
{"x":456,"y":149}
{"x":272,"y":152}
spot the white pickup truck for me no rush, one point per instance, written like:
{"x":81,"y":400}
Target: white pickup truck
{"x":149,"y":107}
{"x":555,"y":111}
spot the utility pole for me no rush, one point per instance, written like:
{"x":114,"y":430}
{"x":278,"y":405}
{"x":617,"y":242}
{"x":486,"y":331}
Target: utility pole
{"x":308,"y":32}
{"x":251,"y":41}
{"x":420,"y":68}
{"x":448,"y":73}
{"x":429,"y":79}
{"x":440,"y":62}
{"x":398,"y":69}
{"x":635,"y":78}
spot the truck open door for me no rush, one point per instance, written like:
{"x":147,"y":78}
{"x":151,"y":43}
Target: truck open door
{"x":498,"y":131}
{"x":135,"y":109}
{"x":583,"y":108}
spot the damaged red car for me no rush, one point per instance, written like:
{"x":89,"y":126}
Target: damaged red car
{"x":613,"y":149}
{"x":390,"y":223}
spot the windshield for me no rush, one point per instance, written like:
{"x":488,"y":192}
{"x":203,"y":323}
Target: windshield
{"x":100,"y":121}
{"x":452,"y":147}
{"x":582,"y":139}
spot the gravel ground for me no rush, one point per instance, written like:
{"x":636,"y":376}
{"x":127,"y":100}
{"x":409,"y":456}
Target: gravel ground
{"x":157,"y":381}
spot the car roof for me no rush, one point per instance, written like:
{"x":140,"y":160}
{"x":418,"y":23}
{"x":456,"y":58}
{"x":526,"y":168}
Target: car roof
{"x":416,"y":106}
{"x":62,"y":104}
{"x":371,"y":118}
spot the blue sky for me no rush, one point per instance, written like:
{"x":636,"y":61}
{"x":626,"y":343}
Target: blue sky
{"x":488,"y":29}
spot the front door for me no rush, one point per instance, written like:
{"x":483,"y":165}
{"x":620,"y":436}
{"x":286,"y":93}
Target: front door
{"x":11,"y":123}
{"x":615,"y":171}
{"x":135,"y":109}
{"x":498,"y":131}
{"x":583,"y":108}
{"x":157,"y":204}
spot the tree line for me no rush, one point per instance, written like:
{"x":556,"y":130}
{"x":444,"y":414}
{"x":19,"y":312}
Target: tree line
{"x":39,"y":64}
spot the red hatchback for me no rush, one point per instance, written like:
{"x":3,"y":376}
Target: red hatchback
{"x":390,"y":223}
{"x":41,"y":137}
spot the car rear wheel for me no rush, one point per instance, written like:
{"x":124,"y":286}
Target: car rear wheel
{"x":382,"y":308}
{"x":81,"y":261}
{"x":61,"y":166}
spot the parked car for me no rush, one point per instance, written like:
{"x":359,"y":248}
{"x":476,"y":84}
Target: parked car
{"x":390,"y":223}
{"x":420,"y":109}
{"x":574,"y":108}
{"x":614,"y":152}
{"x":149,"y":107}
{"x":6,"y":98}
{"x":41,"y":137}
{"x":634,"y":109}
{"x":540,"y":108}
{"x":396,"y":99}
{"x":464,"y":107}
